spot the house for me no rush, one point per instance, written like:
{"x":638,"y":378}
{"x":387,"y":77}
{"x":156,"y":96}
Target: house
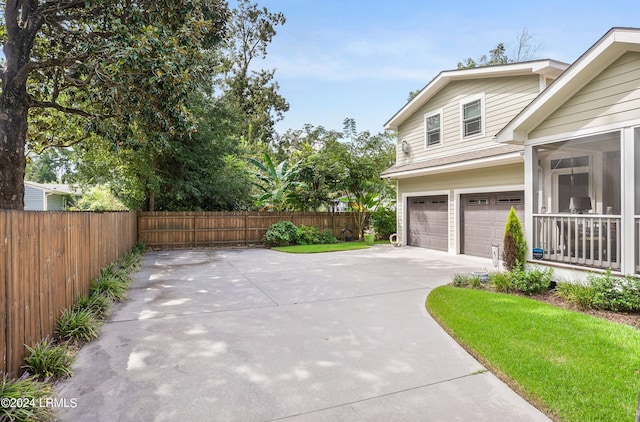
{"x":581,"y":141}
{"x":455,"y":184}
{"x":48,"y":196}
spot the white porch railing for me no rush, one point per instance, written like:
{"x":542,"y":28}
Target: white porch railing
{"x":579,"y":239}
{"x":637,"y":244}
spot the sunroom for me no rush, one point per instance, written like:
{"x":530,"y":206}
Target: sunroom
{"x":581,"y":140}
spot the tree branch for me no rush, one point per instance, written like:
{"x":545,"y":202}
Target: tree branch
{"x":56,"y":106}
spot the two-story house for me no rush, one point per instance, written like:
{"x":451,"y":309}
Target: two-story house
{"x":455,"y":184}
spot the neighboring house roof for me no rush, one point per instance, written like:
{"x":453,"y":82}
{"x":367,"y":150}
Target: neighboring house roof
{"x":605,"y":51}
{"x":546,"y":67}
{"x":54,"y":188}
{"x":502,"y":154}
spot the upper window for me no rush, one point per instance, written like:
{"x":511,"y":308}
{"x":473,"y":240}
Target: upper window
{"x":433,"y":128}
{"x":472,"y":117}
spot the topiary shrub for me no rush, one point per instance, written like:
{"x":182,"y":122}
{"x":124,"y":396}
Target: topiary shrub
{"x":282,"y":233}
{"x":514,"y":251}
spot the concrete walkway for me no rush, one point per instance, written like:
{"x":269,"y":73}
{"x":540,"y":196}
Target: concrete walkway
{"x":258,"y":335}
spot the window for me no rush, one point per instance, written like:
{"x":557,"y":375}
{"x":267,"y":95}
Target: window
{"x":472,"y":113}
{"x":433,"y":128}
{"x":478,"y":201}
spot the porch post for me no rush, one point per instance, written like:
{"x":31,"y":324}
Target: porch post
{"x":628,"y":203}
{"x":530,"y":172}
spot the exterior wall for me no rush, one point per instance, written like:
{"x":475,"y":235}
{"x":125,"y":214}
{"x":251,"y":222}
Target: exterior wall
{"x":454,"y":183}
{"x":33,"y":199}
{"x":611,"y":97}
{"x":504,"y":97}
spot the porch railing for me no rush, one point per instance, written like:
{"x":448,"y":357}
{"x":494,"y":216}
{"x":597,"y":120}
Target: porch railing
{"x":579,"y":239}
{"x":637,"y":243}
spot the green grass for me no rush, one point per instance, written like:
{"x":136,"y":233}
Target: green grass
{"x":333,"y":247}
{"x":26,"y":393}
{"x":573,"y":366}
{"x":49,"y":360}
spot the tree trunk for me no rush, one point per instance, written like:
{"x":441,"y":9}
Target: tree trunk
{"x":13,"y":132}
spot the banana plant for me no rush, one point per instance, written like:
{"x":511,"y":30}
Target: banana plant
{"x":276,"y":182}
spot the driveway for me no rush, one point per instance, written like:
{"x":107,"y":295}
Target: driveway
{"x":259,"y":335}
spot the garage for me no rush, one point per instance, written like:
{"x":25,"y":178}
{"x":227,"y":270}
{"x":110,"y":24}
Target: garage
{"x":428,"y":222}
{"x":484,"y":216}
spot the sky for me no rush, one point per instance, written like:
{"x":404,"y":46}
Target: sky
{"x":360,"y":58}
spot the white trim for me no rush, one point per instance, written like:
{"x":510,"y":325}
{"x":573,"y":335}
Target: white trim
{"x":407,"y":195}
{"x":628,"y":211}
{"x":440,"y":112}
{"x":464,"y":101}
{"x":598,"y":130}
{"x":511,"y":158}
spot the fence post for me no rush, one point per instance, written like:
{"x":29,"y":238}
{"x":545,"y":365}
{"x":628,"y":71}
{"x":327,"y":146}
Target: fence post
{"x":195,"y":232}
{"x":246,"y":228}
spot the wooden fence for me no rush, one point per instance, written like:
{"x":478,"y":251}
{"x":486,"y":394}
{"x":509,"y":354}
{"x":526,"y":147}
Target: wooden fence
{"x":199,"y":229}
{"x":47,"y":260}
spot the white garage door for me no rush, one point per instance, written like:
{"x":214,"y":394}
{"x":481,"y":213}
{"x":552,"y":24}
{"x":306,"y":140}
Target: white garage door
{"x":484,"y":217}
{"x":428,"y":218}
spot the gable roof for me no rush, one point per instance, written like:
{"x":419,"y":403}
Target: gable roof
{"x":547,"y":67}
{"x":605,"y":51}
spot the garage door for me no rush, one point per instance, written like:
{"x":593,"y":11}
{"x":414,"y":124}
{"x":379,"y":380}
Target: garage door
{"x":483,"y":219}
{"x":428,"y":222}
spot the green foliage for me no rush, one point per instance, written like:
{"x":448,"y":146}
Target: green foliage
{"x":99,"y":198}
{"x":48,"y":166}
{"x":29,"y":391}
{"x":49,"y":360}
{"x":309,"y":235}
{"x":467,"y":280}
{"x":615,"y":293}
{"x":502,"y":282}
{"x":97,"y":304}
{"x":578,"y":294}
{"x":282,"y":233}
{"x":277,"y":183}
{"x":78,"y":326}
{"x":514,"y":252}
{"x":111,"y":285}
{"x":532,"y":281}
{"x":383,"y":220}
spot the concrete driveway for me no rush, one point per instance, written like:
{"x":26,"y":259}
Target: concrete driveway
{"x":258,"y":335}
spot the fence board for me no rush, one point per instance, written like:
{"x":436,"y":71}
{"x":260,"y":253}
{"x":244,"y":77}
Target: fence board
{"x":200,"y":229}
{"x":47,"y":260}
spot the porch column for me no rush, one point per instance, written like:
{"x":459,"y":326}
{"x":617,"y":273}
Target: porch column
{"x":628,"y":203}
{"x":530,"y":197}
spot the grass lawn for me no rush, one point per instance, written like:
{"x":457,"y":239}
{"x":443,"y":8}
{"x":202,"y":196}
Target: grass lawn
{"x":571,"y":365}
{"x":333,"y":247}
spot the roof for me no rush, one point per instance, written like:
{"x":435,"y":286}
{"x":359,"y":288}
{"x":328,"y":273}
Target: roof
{"x":605,"y":51}
{"x":547,"y":67}
{"x":500,"y":154}
{"x":54,"y":188}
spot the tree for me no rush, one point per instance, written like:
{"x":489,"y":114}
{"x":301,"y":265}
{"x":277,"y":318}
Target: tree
{"x":526,"y":49}
{"x":514,"y":252}
{"x":277,"y":183}
{"x":50,"y":166}
{"x":253,"y":92}
{"x":124,"y":67}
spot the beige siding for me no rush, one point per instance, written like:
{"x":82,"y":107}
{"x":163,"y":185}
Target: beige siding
{"x":481,"y":179}
{"x":611,"y":97}
{"x":504,"y":98}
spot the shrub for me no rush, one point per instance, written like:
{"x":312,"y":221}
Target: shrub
{"x":49,"y":360}
{"x":533,"y":281}
{"x":384,"y":222}
{"x":327,"y":238}
{"x":580,"y":295}
{"x":466,"y":280}
{"x":514,"y":252}
{"x":110,"y":286}
{"x":502,"y":282}
{"x":615,"y":293}
{"x":97,"y":304}
{"x":27,"y":390}
{"x":282,"y":233}
{"x":307,"y":235}
{"x":79,"y":326}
